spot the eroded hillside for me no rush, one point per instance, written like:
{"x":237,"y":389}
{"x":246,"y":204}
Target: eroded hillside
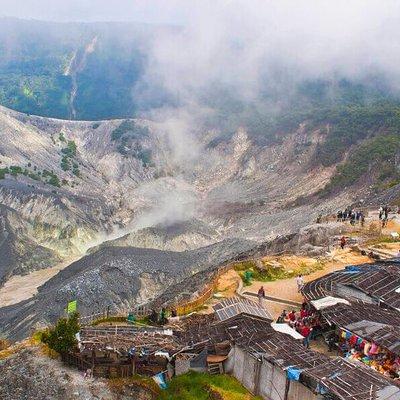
{"x":76,"y":184}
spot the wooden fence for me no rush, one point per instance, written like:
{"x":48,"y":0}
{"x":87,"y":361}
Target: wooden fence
{"x":98,"y":367}
{"x":204,"y":295}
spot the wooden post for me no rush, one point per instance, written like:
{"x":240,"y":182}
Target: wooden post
{"x":287,"y":387}
{"x":257,"y":377}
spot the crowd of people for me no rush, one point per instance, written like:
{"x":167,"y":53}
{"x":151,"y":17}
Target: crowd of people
{"x":306,"y":322}
{"x":354,"y":216}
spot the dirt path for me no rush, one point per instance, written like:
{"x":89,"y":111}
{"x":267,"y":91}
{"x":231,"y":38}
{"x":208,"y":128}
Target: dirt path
{"x":22,"y":287}
{"x":226,"y":287}
{"x":286,"y":289}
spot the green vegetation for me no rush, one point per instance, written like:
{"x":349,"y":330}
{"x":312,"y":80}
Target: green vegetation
{"x":61,"y":338}
{"x":271,"y":272}
{"x":144,"y":155}
{"x":32,"y":70}
{"x":69,"y":154}
{"x":16,"y":170}
{"x":127,"y":134}
{"x":3,"y":172}
{"x":70,"y":150}
{"x":134,"y":130}
{"x":51,"y":178}
{"x":111,"y":320}
{"x":197,"y":386}
{"x":350,"y":125}
{"x":376,"y":155}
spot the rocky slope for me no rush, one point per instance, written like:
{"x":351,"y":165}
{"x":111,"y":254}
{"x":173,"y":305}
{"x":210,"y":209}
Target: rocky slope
{"x":178,"y":236}
{"x":118,"y":278}
{"x":76,"y":184}
{"x":29,"y":374}
{"x":116,"y":186}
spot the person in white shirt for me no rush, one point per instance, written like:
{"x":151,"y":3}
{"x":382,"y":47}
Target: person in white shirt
{"x":300,"y":282}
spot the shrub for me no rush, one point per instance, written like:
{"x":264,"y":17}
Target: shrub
{"x":129,"y":126}
{"x":15,"y":170}
{"x":61,"y":338}
{"x":3,"y":172}
{"x":70,"y":150}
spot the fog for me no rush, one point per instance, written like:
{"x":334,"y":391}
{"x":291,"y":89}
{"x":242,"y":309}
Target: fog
{"x":265,"y":45}
{"x":249,"y":49}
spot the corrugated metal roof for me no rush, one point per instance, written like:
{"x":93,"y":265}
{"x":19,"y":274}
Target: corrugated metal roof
{"x":234,"y":306}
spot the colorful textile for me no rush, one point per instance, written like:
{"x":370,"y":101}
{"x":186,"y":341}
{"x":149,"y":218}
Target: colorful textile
{"x":366,"y":348}
{"x":374,"y":349}
{"x":353,"y":340}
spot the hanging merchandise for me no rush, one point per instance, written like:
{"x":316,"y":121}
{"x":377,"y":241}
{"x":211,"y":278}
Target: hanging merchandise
{"x":366,"y":348}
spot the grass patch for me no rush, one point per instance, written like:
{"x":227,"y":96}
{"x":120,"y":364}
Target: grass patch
{"x":122,"y":385}
{"x":382,"y":239}
{"x":268,"y":272}
{"x":121,"y":319}
{"x":196,"y":386}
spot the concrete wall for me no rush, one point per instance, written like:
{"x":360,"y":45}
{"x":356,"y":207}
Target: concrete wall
{"x":229,"y":363}
{"x":264,"y":378}
{"x":297,"y":391}
{"x":272,"y":382}
{"x":181,"y":366}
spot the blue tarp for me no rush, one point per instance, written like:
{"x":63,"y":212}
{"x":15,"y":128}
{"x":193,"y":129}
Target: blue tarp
{"x":321,"y":389}
{"x":353,"y":268}
{"x":293,"y":374}
{"x":160,"y":380}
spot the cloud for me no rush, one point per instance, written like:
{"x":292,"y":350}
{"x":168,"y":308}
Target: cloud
{"x":253,"y":46}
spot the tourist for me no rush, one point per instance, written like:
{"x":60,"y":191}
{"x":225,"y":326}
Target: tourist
{"x":163,"y":316}
{"x":342,"y":242}
{"x":303,"y":313}
{"x":292,"y":316}
{"x":305,"y":332}
{"x":261,"y":294}
{"x":282,"y":318}
{"x":299,"y":282}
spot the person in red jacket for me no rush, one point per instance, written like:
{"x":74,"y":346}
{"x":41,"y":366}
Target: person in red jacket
{"x":305,"y":332}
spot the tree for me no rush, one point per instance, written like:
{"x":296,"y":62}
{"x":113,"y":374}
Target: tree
{"x":61,"y":338}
